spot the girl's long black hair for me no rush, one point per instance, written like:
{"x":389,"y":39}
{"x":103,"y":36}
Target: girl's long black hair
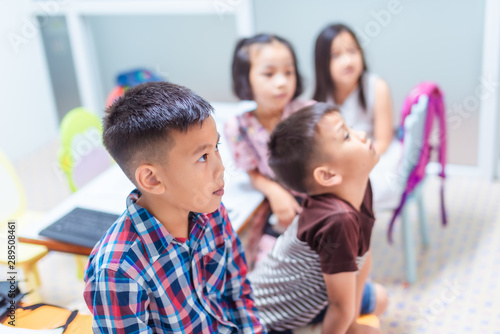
{"x":322,"y":57}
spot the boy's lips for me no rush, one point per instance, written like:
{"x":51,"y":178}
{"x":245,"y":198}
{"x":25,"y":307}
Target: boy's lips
{"x":219,"y":192}
{"x":371,"y":144}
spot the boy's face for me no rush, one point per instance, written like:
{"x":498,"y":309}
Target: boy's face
{"x":348,"y":152}
{"x":193,"y":174}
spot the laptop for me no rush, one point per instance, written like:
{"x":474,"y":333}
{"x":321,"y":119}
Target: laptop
{"x":82,"y":227}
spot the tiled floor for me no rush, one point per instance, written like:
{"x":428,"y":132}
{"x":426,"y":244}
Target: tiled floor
{"x":457,"y":289}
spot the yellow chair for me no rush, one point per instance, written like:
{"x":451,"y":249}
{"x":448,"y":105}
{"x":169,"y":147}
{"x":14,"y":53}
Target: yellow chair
{"x":13,"y":209}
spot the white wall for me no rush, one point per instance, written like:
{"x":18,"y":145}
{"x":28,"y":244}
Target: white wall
{"x":27,"y":113}
{"x":190,"y":50}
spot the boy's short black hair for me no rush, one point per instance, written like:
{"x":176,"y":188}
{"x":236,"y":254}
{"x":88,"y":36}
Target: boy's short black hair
{"x":292,"y":147}
{"x":137,"y":126}
{"x":241,"y":64}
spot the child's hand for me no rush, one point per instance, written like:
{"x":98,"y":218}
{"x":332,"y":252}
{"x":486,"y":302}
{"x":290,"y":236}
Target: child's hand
{"x":284,"y":206}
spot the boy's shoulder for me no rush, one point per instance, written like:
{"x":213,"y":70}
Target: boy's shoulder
{"x":117,"y":248}
{"x":117,"y":244}
{"x":321,"y":207}
{"x":328,"y":215}
{"x":336,"y":232}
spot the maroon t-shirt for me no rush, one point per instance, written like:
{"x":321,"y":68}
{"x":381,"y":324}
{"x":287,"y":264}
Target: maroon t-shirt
{"x":336,"y":231}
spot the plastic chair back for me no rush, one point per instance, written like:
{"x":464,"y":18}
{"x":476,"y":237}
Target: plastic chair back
{"x":82,"y":155}
{"x":12,"y":200}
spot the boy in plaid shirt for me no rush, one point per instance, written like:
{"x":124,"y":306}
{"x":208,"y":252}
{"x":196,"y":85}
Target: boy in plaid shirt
{"x":171,"y":262}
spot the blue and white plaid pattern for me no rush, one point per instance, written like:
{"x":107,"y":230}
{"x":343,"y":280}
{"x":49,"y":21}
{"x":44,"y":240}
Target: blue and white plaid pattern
{"x":142,"y":280}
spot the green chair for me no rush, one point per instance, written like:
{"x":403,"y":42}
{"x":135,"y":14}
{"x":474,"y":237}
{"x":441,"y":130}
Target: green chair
{"x":82,"y":156}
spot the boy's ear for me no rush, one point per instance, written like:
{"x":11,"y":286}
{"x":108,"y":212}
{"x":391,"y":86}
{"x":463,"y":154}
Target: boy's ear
{"x":147,"y":179}
{"x":326,"y":176}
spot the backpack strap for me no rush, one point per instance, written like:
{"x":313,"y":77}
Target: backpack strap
{"x":397,"y":212}
{"x":435,"y":109}
{"x":70,"y":319}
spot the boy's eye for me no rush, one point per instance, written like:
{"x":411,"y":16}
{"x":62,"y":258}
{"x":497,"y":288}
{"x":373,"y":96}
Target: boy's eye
{"x":268,"y":74}
{"x":346,"y":136}
{"x":203,"y":158}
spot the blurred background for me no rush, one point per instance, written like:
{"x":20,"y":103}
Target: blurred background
{"x":57,"y":55}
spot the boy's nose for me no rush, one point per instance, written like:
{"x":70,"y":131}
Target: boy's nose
{"x":219,"y":168}
{"x":361,"y":135}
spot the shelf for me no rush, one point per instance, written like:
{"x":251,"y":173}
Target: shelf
{"x":169,"y":7}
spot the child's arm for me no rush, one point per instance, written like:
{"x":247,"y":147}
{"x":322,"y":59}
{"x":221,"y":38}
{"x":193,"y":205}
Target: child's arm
{"x":341,"y":290}
{"x":345,"y":291}
{"x":237,"y":290}
{"x":118,"y":303}
{"x":283,"y":204}
{"x":383,"y":126}
{"x":360,"y":285}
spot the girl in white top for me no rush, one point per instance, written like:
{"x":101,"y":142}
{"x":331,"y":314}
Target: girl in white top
{"x":364,"y":100}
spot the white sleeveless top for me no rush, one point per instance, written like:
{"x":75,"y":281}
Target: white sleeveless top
{"x":353,"y":112}
{"x":386,"y":192}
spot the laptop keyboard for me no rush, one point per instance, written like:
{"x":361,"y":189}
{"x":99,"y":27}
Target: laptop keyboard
{"x":82,"y":227}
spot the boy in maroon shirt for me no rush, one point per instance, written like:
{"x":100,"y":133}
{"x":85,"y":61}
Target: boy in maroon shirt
{"x":318,"y":267}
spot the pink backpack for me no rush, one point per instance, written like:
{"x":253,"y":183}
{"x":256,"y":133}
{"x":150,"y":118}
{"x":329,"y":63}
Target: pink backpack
{"x":435,"y":110}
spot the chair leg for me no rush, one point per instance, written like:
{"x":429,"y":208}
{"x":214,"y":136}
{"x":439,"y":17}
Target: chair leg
{"x":409,"y":247}
{"x":32,"y":282}
{"x":424,"y":230}
{"x":35,"y":275}
{"x":81,"y":262}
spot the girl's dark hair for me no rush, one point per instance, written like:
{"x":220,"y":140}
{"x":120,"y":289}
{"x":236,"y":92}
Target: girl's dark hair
{"x":322,"y":58}
{"x":241,"y":64}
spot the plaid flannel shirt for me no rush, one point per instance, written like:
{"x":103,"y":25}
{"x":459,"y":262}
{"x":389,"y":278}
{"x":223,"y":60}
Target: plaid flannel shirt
{"x":140,"y":279}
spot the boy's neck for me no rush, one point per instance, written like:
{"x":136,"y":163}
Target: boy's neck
{"x":175,"y":220}
{"x":352,"y":191}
